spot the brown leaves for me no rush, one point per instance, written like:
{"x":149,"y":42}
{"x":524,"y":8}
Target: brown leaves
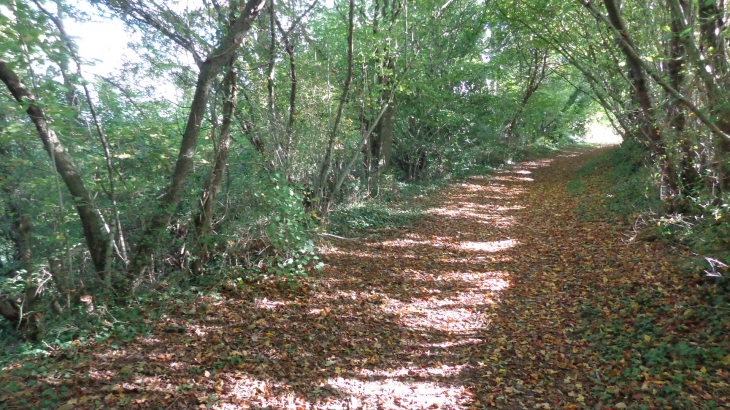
{"x":504,"y":299}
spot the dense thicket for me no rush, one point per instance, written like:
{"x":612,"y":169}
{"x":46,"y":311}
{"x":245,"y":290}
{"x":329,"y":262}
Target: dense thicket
{"x":241,"y":124}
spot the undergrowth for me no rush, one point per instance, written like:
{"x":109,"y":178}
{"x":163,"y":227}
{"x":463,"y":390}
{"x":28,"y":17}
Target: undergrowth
{"x":393,"y":207}
{"x":368,"y":217}
{"x":666,"y":333}
{"x":630,"y":193}
{"x":626,"y":185}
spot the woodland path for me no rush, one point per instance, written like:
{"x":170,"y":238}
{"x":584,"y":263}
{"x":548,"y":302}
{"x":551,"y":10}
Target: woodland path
{"x":475,"y":307}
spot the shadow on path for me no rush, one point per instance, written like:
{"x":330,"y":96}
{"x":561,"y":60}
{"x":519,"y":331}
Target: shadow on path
{"x":467,"y":310}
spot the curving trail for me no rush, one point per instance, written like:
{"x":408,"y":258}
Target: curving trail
{"x":495,"y":300}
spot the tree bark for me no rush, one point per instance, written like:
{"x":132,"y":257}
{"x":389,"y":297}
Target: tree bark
{"x":715,"y":91}
{"x":385,"y":132}
{"x":292,"y":94}
{"x":96,"y":240}
{"x":712,"y":43}
{"x":209,"y":69}
{"x":381,"y":142}
{"x":321,"y":181}
{"x":688,"y":175}
{"x":365,"y":137}
{"x":640,"y":84}
{"x":712,"y":40}
{"x":537,"y":71}
{"x":116,"y":229}
{"x":271,"y":106}
{"x":694,"y":108}
{"x":209,"y":198}
{"x":289,"y":48}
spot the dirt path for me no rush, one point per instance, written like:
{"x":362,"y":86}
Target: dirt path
{"x":476,"y":307}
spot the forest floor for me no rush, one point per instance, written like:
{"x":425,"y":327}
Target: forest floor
{"x":513,"y":293}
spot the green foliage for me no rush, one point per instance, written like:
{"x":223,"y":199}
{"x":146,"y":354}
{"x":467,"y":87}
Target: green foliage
{"x":679,"y":328}
{"x":368,"y":217}
{"x":631,"y":193}
{"x":661,"y":333}
{"x":289,"y":229}
{"x":387,"y":212}
{"x":629,"y":187}
{"x":455,"y":95}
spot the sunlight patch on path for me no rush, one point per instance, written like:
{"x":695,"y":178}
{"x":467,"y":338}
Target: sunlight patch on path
{"x":457,"y":312}
{"x":399,"y":389}
{"x":461,"y":211}
{"x":493,"y":246}
{"x":511,"y":178}
{"x":418,"y":303}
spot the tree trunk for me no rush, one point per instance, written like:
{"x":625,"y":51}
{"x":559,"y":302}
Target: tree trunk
{"x":209,"y":198}
{"x":320,"y":186}
{"x":642,"y":94}
{"x":712,"y":42}
{"x":72,"y":101}
{"x":96,"y":240}
{"x":381,"y":142}
{"x":385,"y":132}
{"x":365,"y":137}
{"x":289,"y":48}
{"x":628,"y":47}
{"x":688,"y":176}
{"x":716,"y":94}
{"x":537,"y":71}
{"x":209,"y":69}
{"x":271,"y":106}
{"x":20,"y":310}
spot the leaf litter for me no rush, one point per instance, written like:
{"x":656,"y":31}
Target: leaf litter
{"x":504,"y":298}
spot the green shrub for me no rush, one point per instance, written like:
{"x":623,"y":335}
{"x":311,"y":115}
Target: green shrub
{"x":357,"y":220}
{"x":289,"y":229}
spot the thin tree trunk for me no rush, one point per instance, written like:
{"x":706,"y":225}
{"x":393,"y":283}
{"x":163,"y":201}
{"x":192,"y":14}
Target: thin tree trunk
{"x":537,"y":73}
{"x":289,"y":48}
{"x":387,"y":128}
{"x":696,"y":110}
{"x":601,"y":93}
{"x":91,"y":222}
{"x":292,"y":95}
{"x":640,"y":83}
{"x":71,"y":97}
{"x":688,"y":175}
{"x":712,"y":42}
{"x":116,"y":229}
{"x":273,"y":119}
{"x":209,"y":198}
{"x":365,"y":138}
{"x":716,"y":94}
{"x":381,"y":143}
{"x":209,"y":69}
{"x":321,"y":181}
{"x":247,"y":129}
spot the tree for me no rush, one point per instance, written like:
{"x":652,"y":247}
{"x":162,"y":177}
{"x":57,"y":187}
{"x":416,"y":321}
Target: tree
{"x":276,"y":104}
{"x":209,"y":69}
